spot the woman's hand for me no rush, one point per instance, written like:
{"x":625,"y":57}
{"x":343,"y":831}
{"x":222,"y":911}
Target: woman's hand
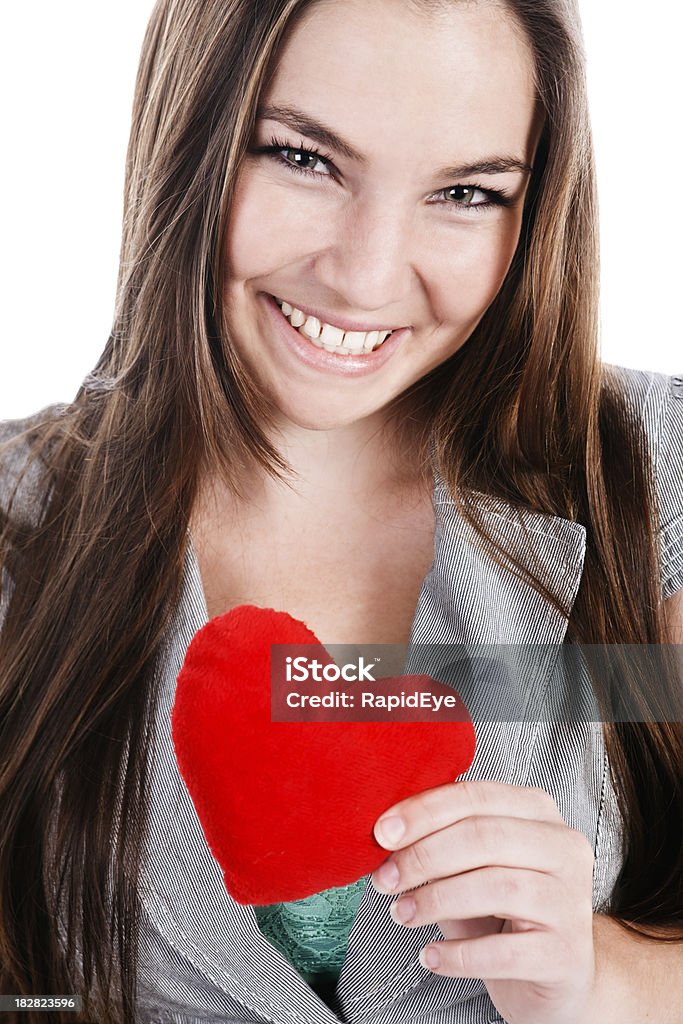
{"x":510,"y":887}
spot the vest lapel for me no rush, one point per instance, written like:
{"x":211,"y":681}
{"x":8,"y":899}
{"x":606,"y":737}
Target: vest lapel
{"x":503,"y":638}
{"x":182,"y":885}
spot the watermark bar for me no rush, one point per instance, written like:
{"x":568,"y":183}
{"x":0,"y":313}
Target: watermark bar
{"x":566,"y":683}
{"x":19,"y":1004}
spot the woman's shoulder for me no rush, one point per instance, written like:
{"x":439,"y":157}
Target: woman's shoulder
{"x":645,"y":391}
{"x":655,"y":401}
{"x":20,"y":472}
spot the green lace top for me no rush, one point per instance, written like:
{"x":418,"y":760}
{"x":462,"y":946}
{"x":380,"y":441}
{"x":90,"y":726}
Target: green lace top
{"x":313,"y":933}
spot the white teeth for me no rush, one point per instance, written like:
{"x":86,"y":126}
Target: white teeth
{"x":332,"y":335}
{"x":329,"y":337}
{"x":355,"y":340}
{"x":311,"y":328}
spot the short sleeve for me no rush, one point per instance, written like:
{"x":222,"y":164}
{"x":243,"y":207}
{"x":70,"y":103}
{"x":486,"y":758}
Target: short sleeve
{"x":669,"y":482}
{"x":655,"y":402}
{"x":20,"y":480}
{"x":20,"y":474}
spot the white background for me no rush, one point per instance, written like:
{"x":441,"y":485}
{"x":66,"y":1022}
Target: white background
{"x":67,"y":74}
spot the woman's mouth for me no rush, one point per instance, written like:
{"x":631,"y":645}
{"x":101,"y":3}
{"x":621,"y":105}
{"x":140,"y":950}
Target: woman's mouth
{"x":330,"y":337}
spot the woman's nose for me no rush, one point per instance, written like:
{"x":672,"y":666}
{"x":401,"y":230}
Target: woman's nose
{"x":368,"y":258}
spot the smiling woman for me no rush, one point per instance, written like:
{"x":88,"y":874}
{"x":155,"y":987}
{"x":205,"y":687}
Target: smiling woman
{"x":353,"y":375}
{"x":414,"y":233}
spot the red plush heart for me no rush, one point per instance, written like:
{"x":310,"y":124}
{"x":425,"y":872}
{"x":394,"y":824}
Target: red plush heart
{"x":288,"y":807}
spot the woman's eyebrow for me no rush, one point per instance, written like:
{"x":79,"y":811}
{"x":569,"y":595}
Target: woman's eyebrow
{"x":299,"y":121}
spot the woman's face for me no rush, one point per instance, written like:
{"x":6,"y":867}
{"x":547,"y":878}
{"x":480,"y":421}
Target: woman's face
{"x":408,"y":220}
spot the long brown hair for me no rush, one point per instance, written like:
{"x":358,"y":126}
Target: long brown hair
{"x":92,"y":549}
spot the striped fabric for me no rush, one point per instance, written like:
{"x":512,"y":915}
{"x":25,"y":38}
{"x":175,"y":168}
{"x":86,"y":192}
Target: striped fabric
{"x":203,"y":957}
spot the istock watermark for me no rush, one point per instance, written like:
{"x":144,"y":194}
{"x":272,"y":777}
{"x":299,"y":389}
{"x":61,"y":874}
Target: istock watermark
{"x":566,"y":683}
{"x":308,"y":685}
{"x":303,"y":670}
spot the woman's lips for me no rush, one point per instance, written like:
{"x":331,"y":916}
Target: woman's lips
{"x":338,"y":322}
{"x":330,"y":336}
{"x":351,"y":365}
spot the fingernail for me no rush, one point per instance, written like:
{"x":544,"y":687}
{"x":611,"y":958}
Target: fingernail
{"x":391,"y":828}
{"x":388,"y":875}
{"x":403,"y":910}
{"x":430,"y":957}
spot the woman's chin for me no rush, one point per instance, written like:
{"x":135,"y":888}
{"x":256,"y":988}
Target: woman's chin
{"x":312,"y":418}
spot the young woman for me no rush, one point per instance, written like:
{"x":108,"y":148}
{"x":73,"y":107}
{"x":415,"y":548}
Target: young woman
{"x":353,"y":375}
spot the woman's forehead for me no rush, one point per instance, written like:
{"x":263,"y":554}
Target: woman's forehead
{"x":381,"y":70}
{"x":385,"y":34}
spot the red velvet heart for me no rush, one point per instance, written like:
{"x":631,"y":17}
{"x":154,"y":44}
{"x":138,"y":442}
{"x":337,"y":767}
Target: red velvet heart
{"x":288,"y":808}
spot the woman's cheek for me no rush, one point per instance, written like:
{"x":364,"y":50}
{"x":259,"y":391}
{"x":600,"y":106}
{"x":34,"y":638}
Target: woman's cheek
{"x":470,"y":271}
{"x":292,"y":220}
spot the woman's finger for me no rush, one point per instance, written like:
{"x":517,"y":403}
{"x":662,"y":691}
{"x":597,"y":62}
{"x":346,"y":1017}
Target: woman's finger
{"x":521,"y":956}
{"x":487,"y":842}
{"x":434,"y":809}
{"x":470,"y":928}
{"x":494,"y":892}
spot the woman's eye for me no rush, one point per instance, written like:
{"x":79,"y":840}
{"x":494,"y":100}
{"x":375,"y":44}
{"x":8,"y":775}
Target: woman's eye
{"x":475,"y":199}
{"x":304,"y":160}
{"x":466,"y":195}
{"x":298,"y":159}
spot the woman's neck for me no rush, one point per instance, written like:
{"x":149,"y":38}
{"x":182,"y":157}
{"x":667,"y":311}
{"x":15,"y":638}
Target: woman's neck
{"x":357,"y":467}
